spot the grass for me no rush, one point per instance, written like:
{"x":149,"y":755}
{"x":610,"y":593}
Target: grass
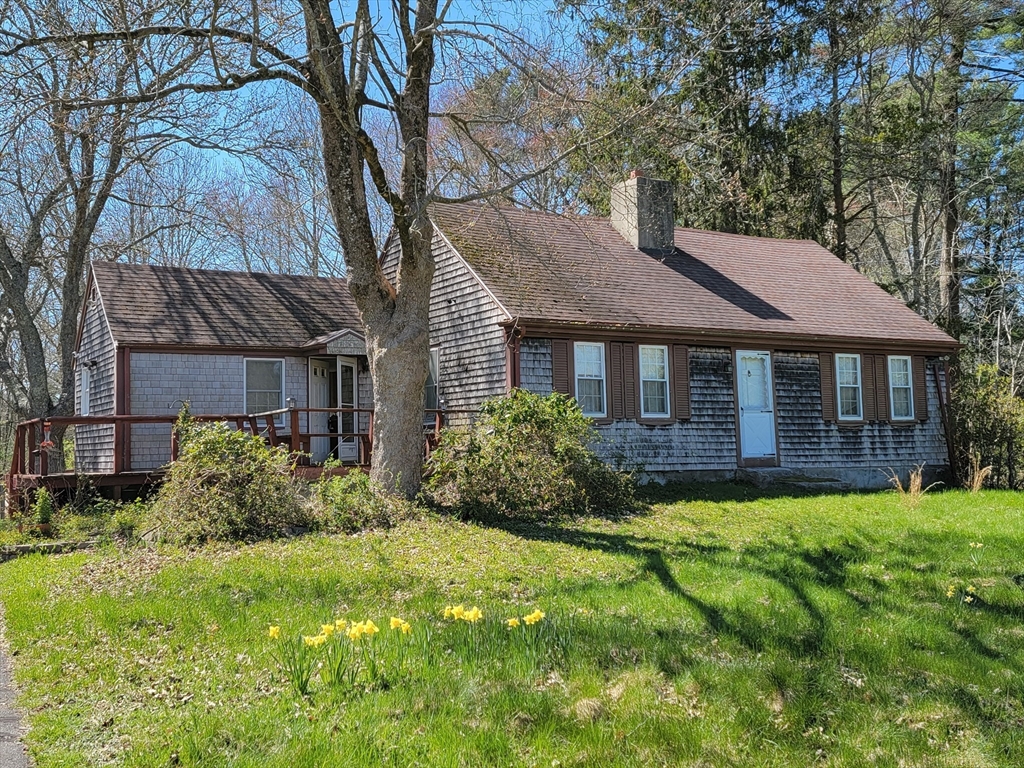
{"x":725,"y":628}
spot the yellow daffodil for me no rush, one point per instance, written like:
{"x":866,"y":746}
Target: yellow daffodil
{"x":309,"y":640}
{"x":513,"y":622}
{"x":340,"y":624}
{"x":396,"y":623}
{"x":447,"y":611}
{"x":355,"y":632}
{"x":473,"y":615}
{"x":369,"y":628}
{"x":971,"y":589}
{"x":274,"y":632}
{"x":968,"y":599}
{"x":406,"y":628}
{"x":327,"y":629}
{"x":534,"y":617}
{"x":458,"y":611}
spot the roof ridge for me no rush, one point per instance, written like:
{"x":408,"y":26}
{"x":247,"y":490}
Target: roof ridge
{"x":207,"y":270}
{"x":583,"y":217}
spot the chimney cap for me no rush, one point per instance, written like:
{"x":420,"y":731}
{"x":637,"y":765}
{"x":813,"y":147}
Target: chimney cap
{"x":636,"y":173}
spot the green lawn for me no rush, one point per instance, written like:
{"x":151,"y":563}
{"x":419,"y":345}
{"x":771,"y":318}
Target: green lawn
{"x":721,"y":629}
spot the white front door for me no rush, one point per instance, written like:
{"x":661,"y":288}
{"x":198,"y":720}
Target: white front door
{"x":757,"y":415}
{"x":319,"y":397}
{"x":348,"y":397}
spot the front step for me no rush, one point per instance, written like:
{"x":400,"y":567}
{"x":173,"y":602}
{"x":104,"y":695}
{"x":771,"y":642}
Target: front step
{"x":806,"y":479}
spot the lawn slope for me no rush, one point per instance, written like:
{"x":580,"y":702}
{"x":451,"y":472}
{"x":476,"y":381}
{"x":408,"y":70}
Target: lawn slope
{"x":721,"y":629}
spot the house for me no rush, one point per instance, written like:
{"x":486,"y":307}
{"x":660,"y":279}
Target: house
{"x":699,"y":355}
{"x":152,"y":338}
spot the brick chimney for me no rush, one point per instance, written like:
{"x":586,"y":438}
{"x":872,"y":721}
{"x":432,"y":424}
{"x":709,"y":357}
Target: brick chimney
{"x":643,"y":212}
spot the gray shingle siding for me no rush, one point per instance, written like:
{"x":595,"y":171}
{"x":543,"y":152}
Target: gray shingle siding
{"x":94,"y":444}
{"x":464,"y":324}
{"x":805,"y":440}
{"x":707,"y":441}
{"x":162,"y":381}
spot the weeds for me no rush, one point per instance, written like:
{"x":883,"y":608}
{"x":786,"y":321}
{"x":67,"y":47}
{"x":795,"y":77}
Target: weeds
{"x":977,"y":475}
{"x":913,"y":493}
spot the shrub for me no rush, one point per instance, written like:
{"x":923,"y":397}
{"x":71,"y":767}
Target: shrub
{"x":42,"y":507}
{"x":227,"y":486}
{"x":526,"y":455}
{"x":353,"y":503}
{"x":101,"y":519}
{"x":988,"y":427}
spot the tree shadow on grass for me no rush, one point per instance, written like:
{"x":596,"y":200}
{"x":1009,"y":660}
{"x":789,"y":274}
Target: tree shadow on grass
{"x":673,"y":493}
{"x":793,"y":567}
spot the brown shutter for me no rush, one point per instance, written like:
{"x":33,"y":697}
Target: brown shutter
{"x":623,"y":373}
{"x":882,"y":387}
{"x":560,"y":377}
{"x":826,"y":364}
{"x":918,"y":363}
{"x":867,"y":376}
{"x":681,"y":380}
{"x":617,"y":410}
{"x":630,"y":377}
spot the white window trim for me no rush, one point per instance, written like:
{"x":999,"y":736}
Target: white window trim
{"x":604,"y":377}
{"x":910,"y":387}
{"x":279,"y":419}
{"x":860,"y":388}
{"x":644,"y":414}
{"x":85,"y":406}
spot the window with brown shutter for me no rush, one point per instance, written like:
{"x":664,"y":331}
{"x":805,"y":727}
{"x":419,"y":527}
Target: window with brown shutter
{"x":919,"y":365}
{"x":561,"y":371}
{"x":681,"y":380}
{"x":826,"y":370}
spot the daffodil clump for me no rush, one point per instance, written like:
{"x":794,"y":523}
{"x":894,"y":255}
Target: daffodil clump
{"x":461,"y":613}
{"x":345,"y":654}
{"x":965,"y":595}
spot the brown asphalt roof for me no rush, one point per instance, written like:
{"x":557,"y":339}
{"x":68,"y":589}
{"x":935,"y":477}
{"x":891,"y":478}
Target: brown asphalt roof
{"x":211,"y":308}
{"x":546,"y":267}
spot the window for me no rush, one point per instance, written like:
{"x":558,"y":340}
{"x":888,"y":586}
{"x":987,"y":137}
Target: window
{"x":849,"y":381}
{"x":431,"y":402}
{"x":86,"y":389}
{"x":264,"y":386}
{"x":654,"y":382}
{"x":590,"y":378}
{"x":901,"y":390}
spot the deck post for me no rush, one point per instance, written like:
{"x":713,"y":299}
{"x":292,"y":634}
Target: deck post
{"x":31,"y":449}
{"x":118,"y":446}
{"x":296,"y":439}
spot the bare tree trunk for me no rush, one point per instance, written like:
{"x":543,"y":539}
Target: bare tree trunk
{"x":949,"y":260}
{"x":836,"y":130}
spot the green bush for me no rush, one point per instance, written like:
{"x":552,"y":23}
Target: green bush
{"x":42,"y":507}
{"x":988,"y":426}
{"x":227,"y":486}
{"x":353,"y":502}
{"x":526,"y":455}
{"x":101,"y":519}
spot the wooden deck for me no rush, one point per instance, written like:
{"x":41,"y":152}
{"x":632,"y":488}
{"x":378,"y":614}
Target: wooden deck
{"x":30,"y":463}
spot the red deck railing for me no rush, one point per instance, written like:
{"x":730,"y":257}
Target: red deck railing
{"x":30,"y":459}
